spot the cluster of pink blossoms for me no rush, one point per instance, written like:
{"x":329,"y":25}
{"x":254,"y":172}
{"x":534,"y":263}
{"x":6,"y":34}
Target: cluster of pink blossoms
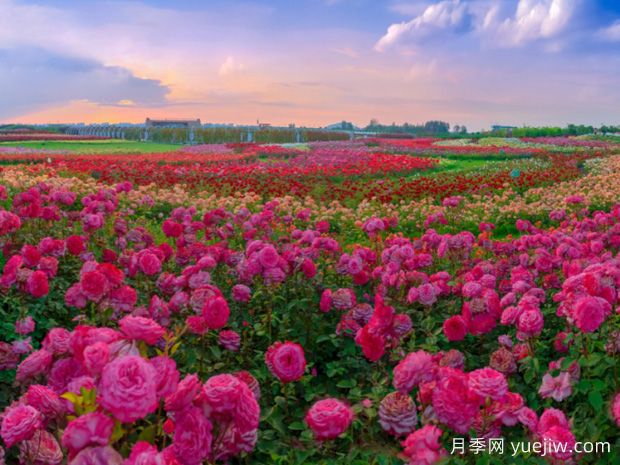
{"x":94,"y":381}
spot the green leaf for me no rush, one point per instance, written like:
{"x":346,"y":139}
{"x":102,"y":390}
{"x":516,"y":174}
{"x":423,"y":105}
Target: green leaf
{"x":596,"y":400}
{"x":296,"y":426}
{"x":346,"y":383}
{"x":148,"y":434}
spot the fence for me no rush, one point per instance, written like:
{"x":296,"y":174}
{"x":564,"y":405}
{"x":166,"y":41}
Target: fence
{"x":217,"y":135}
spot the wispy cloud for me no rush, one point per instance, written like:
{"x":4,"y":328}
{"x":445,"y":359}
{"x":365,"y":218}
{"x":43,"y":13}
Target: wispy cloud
{"x":230,"y":66}
{"x":610,"y":33}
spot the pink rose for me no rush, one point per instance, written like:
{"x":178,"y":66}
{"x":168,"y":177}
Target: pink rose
{"x":37,"y":363}
{"x":487,"y":382}
{"x":41,"y":449}
{"x":530,"y":322}
{"x":241,"y":293}
{"x":45,"y":401}
{"x":268,"y":257}
{"x":216,"y":312}
{"x":560,"y":442}
{"x":325,"y":304}
{"x":230,"y":340}
{"x":286,"y":361}
{"x":558,"y":387}
{"x":24,"y":326}
{"x":57,"y":341}
{"x":19,"y":423}
{"x":37,"y":284}
{"x":185,"y":393}
{"x":91,"y":429}
{"x":143,"y":453}
{"x":192,"y":438}
{"x":590,"y":312}
{"x":552,"y":417}
{"x":455,"y":328}
{"x":96,"y":356}
{"x":422,"y":447}
{"x":329,"y":418}
{"x":94,"y":285}
{"x":221,"y":393}
{"x":149,"y":263}
{"x":104,"y":455}
{"x":166,"y":375}
{"x":415,"y":368}
{"x":128,"y":388}
{"x":615,"y":409}
{"x":141,"y":329}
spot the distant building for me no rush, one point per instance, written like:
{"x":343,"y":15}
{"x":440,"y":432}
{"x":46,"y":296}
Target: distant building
{"x":173,"y":123}
{"x":264,"y":125}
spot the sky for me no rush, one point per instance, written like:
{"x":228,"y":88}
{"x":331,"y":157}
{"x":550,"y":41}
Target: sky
{"x":311,"y":62}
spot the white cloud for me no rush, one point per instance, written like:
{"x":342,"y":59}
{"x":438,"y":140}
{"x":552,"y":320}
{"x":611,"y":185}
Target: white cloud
{"x":230,"y":66}
{"x":610,"y":33}
{"x":446,"y":14}
{"x":533,"y":20}
{"x":346,"y":51}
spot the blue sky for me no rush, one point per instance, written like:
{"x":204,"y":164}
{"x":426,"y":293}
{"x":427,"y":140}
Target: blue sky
{"x":312,"y":62}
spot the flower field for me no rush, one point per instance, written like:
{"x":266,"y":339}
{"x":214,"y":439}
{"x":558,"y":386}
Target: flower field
{"x":349,"y":302}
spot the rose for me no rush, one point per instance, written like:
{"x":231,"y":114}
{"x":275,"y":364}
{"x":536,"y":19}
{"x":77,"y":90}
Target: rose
{"x":19,"y":423}
{"x":75,"y":245}
{"x":286,"y":361}
{"x":590,"y":312}
{"x":230,"y":340}
{"x":105,"y":455}
{"x":455,"y":328}
{"x":166,"y":375}
{"x":141,"y":328}
{"x":487,"y":382}
{"x":149,"y":263}
{"x":24,"y":326}
{"x":192,"y":438}
{"x":57,"y":341}
{"x":44,"y":400}
{"x":42,"y":448}
{"x":268,"y":257}
{"x":94,"y":285}
{"x":422,"y":447}
{"x":329,"y":418}
{"x":221,"y":392}
{"x":241,"y":293}
{"x":216,"y":312}
{"x":37,"y":284}
{"x":37,"y":363}
{"x":185,"y":393}
{"x":415,"y":368}
{"x":91,"y":429}
{"x":128,"y":388}
{"x":96,"y":356}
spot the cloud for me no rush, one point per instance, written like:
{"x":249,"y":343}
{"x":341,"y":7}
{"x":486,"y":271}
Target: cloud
{"x":610,"y":33}
{"x":33,"y":78}
{"x":533,"y":20}
{"x":346,"y":51}
{"x":448,"y":14}
{"x":230,"y":66}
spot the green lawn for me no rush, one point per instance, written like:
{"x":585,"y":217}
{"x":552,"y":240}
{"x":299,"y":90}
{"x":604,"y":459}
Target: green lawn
{"x":96,"y":146}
